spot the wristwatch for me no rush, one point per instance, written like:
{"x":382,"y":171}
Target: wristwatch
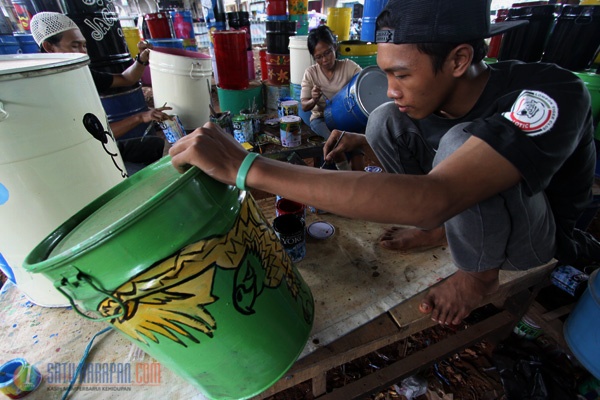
{"x":138,"y":59}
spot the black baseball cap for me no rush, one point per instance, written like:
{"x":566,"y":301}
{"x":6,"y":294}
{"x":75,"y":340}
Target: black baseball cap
{"x":440,"y":21}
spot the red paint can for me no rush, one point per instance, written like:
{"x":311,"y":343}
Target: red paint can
{"x":159,"y":25}
{"x":232,"y":59}
{"x":264,"y":74}
{"x":285,"y":206}
{"x":276,"y":7}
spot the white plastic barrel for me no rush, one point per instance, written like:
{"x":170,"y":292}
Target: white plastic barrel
{"x":181,"y":79}
{"x":50,"y":165}
{"x":300,"y":58}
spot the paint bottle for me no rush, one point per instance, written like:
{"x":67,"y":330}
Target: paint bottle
{"x":570,"y":279}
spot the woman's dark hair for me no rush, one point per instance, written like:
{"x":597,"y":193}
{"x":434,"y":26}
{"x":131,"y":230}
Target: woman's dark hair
{"x":320,"y":34}
{"x":437,"y":52}
{"x":54,"y":40}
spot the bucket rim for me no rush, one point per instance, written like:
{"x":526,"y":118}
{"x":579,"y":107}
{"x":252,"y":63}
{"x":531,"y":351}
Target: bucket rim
{"x":194,"y":55}
{"x":40,"y":259}
{"x":359,"y":79}
{"x":40,"y":63}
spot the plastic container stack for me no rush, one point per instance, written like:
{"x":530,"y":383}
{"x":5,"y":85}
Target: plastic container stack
{"x":298,"y":13}
{"x":240,"y":20}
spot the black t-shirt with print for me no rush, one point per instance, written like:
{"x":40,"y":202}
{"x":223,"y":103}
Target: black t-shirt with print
{"x":538,"y":116}
{"x":102,"y":80}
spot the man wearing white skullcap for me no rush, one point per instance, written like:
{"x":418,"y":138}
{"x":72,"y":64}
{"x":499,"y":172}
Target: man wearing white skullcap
{"x":57,"y":33}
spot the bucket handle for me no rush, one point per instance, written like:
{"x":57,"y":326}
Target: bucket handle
{"x":3,"y":113}
{"x":76,"y":279}
{"x":192,"y":72}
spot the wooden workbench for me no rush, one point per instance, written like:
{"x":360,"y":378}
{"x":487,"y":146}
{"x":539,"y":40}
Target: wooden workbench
{"x":365,"y":298}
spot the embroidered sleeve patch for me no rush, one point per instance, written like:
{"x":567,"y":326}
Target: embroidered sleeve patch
{"x":533,"y":112}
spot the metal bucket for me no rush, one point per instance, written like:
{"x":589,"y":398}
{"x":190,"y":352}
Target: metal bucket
{"x":99,"y":23}
{"x":119,"y":106}
{"x":51,"y":165}
{"x":370,"y":13}
{"x":189,"y":270}
{"x":575,"y":38}
{"x":300,"y":58}
{"x":349,"y":109}
{"x":181,"y":79}
{"x":236,"y":100}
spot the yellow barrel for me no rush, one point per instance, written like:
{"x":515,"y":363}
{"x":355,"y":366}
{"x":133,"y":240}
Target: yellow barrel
{"x":338,"y":20}
{"x":132,"y":37}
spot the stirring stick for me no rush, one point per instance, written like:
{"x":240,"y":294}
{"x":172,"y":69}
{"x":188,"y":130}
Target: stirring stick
{"x":210,"y":101}
{"x":334,"y":146}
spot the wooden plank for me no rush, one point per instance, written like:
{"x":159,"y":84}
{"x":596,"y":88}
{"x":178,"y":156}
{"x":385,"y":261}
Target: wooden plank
{"x":558,"y":312}
{"x":553,"y":327}
{"x":319,"y":384}
{"x":385,"y":377}
{"x":370,"y":337}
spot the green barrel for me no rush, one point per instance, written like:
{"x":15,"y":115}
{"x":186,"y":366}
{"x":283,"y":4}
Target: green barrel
{"x":363,"y":61}
{"x":236,"y":100}
{"x":362,"y":53}
{"x":592,"y":82}
{"x":188,"y":269}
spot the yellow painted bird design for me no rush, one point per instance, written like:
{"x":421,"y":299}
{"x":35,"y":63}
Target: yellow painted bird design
{"x":171,"y":296}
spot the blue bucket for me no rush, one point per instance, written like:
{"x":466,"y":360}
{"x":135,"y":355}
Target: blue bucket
{"x":370,"y":12}
{"x":121,"y":105}
{"x":172,"y":43}
{"x":9,"y":45}
{"x":27,"y":43}
{"x":582,"y":328}
{"x":350,"y":107}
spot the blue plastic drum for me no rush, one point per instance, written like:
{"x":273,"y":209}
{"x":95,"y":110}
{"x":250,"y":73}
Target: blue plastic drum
{"x":349,"y":109}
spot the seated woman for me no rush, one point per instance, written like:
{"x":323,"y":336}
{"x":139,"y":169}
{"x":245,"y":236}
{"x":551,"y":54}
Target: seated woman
{"x":323,"y":80}
{"x":57,"y":33}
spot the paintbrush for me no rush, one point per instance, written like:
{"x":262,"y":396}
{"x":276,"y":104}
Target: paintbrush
{"x":334,"y":146}
{"x":150,"y":125}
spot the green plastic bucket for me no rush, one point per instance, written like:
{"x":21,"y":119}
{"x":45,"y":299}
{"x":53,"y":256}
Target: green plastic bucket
{"x":189,"y":270}
{"x":592,"y":82}
{"x":236,"y":100}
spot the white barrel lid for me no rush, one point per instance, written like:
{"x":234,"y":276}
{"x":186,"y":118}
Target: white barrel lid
{"x":18,"y":66}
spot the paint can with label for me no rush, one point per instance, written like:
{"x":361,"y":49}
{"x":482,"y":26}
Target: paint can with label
{"x":254,"y":119}
{"x":290,"y":231}
{"x":172,"y":129}
{"x":287,"y":107}
{"x":289,"y":130}
{"x":570,"y":279}
{"x":224,"y":121}
{"x":242,"y":129}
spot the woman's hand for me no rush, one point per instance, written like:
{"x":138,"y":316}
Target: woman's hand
{"x":212,"y":150}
